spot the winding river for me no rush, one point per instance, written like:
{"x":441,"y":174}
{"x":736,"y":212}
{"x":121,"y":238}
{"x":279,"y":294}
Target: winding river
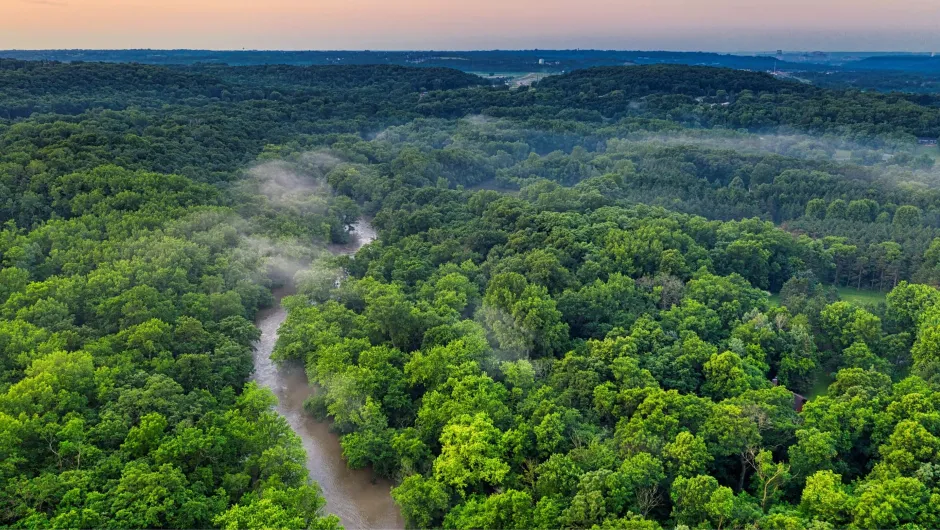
{"x":353,"y":495}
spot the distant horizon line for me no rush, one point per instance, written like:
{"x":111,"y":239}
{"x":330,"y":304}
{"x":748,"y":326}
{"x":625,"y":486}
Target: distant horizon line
{"x":428,"y":50}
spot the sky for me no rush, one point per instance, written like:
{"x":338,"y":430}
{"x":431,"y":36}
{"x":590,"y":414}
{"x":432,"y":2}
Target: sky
{"x":713,"y":25}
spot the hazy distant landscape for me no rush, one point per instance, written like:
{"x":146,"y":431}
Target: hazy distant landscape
{"x":507,"y":60}
{"x":917,"y":73}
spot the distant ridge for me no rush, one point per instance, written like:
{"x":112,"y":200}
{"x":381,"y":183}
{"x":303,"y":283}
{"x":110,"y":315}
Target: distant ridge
{"x":921,"y":63}
{"x":489,"y":61}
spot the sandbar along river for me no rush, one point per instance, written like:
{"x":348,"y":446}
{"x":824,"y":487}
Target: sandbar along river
{"x":359,"y":501}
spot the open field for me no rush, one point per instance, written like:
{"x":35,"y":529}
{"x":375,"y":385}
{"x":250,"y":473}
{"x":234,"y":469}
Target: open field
{"x":930,"y":150}
{"x":515,"y":79}
{"x":861,"y":297}
{"x":821,"y":386}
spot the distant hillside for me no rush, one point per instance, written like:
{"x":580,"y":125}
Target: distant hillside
{"x":669,"y":79}
{"x":920,"y":63}
{"x":490,"y":61}
{"x":71,"y":88}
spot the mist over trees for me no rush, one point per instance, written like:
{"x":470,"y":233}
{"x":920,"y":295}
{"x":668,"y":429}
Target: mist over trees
{"x":632,"y":297}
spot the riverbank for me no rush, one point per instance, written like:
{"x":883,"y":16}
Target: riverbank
{"x":353,"y":495}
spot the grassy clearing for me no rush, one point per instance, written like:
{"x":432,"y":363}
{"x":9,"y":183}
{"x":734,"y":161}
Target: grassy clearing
{"x":930,"y":150}
{"x":821,"y":386}
{"x":507,"y":75}
{"x":493,"y":185}
{"x":861,"y":297}
{"x":842,"y":155}
{"x":500,"y":74}
{"x":516,"y":79}
{"x":774,"y":300}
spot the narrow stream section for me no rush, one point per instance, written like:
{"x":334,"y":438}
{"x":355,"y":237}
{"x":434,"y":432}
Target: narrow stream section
{"x":360,"y":502}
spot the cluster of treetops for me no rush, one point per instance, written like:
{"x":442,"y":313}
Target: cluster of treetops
{"x":564,"y":323}
{"x":125,"y":350}
{"x":552,"y":358}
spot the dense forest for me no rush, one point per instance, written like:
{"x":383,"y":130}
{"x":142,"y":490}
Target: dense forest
{"x":626,"y":297}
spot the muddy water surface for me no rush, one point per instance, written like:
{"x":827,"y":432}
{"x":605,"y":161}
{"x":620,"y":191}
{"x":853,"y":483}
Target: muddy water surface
{"x":359,"y":501}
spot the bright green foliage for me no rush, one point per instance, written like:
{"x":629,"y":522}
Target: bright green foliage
{"x":700,"y":500}
{"x":276,"y":508}
{"x":926,"y":351}
{"x":825,"y":498}
{"x":837,"y":210}
{"x":565,"y":321}
{"x":907,"y":303}
{"x":907,"y":215}
{"x":891,"y":503}
{"x":125,"y":348}
{"x":725,"y":376}
{"x":814,"y":451}
{"x":512,"y":509}
{"x":423,"y":501}
{"x":523,"y":317}
{"x":687,"y":456}
{"x":470,"y":454}
{"x":769,"y":478}
{"x":846,"y":324}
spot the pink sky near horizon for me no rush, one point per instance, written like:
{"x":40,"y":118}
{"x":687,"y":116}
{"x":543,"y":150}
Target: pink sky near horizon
{"x":720,"y":25}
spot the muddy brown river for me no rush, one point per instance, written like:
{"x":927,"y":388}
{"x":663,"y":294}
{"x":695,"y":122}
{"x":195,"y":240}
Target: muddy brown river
{"x":353,"y":495}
